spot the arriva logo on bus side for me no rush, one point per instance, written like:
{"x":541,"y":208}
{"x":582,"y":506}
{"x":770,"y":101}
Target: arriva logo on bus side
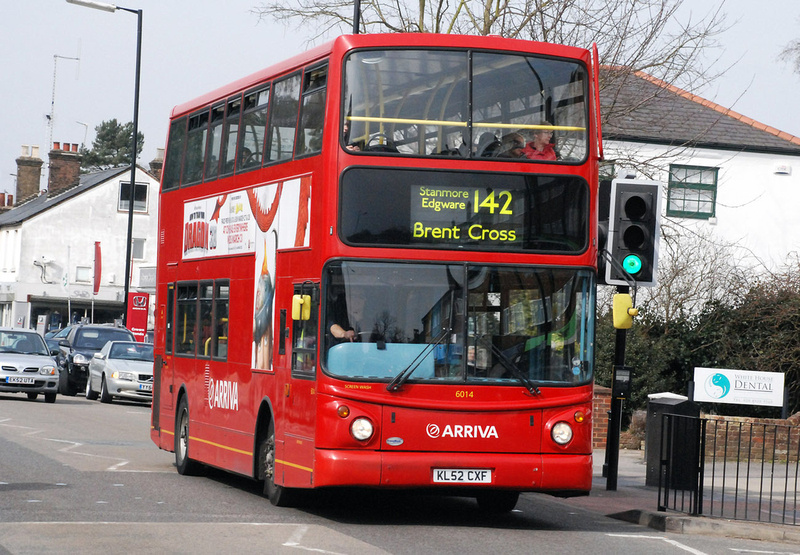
{"x":223,"y":394}
{"x":458,"y":430}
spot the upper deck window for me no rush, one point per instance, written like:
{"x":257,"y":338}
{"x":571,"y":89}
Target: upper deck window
{"x":419,"y":102}
{"x":283,"y":120}
{"x":172,"y":165}
{"x":254,"y":123}
{"x":214,"y":141}
{"x":231,"y":133}
{"x":309,"y":139}
{"x":194,"y":160}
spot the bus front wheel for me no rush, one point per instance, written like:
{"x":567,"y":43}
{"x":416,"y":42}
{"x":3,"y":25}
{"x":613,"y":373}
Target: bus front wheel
{"x":277,"y":495}
{"x":185,"y":465}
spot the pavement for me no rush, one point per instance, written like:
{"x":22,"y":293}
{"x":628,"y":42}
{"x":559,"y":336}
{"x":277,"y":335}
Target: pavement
{"x":635,"y":502}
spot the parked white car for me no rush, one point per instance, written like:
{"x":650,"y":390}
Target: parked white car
{"x":122,"y":369}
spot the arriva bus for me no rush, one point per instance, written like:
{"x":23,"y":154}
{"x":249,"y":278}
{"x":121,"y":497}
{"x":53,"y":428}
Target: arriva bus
{"x":377,"y":267}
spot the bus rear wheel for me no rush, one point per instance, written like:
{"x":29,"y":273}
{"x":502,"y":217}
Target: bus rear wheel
{"x":498,"y":501}
{"x":277,"y":495}
{"x":185,"y":465}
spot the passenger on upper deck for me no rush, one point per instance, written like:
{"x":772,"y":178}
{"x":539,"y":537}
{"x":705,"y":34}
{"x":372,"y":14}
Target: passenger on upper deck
{"x":512,"y":146}
{"x":541,"y":147}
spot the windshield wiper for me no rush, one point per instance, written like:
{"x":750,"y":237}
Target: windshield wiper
{"x":509,"y":365}
{"x":401,"y":377}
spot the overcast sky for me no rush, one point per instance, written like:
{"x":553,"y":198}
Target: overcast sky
{"x":193,"y":46}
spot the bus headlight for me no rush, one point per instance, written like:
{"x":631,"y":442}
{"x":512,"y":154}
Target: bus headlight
{"x":362,"y":429}
{"x":561,"y":433}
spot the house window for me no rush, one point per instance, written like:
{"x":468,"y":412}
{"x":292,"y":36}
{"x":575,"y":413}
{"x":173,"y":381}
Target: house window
{"x":139,"y":197}
{"x":692,"y":192}
{"x":84,"y":274}
{"x":137,"y":250}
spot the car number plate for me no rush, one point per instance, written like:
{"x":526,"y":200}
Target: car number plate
{"x":462,"y":476}
{"x":145,"y":387}
{"x":19,"y":379}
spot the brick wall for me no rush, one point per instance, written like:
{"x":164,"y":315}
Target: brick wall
{"x":600,"y":408}
{"x":767,"y":439}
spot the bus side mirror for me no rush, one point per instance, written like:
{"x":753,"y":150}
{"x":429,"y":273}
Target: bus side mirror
{"x":301,"y":307}
{"x":623,"y":311}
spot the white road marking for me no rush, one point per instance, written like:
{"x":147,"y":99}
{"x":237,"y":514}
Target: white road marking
{"x":660,"y":538}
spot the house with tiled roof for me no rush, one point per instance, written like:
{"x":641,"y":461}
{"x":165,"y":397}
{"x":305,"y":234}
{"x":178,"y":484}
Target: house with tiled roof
{"x":48,"y":237}
{"x":733,"y":178}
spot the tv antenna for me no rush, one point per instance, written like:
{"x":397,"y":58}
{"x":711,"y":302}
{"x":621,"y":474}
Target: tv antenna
{"x":52,"y":115}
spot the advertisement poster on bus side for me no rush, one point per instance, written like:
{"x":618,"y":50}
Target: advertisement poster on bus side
{"x":218,"y":226}
{"x":282,"y":215}
{"x":261,"y":220}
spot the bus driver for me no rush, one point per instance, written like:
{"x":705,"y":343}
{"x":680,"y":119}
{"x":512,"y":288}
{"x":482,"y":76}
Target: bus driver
{"x":348,"y":316}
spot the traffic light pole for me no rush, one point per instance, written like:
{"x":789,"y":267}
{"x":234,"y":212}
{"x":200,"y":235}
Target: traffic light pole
{"x":611,"y":467}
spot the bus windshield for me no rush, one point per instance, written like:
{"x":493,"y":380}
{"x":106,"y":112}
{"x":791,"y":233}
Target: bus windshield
{"x":419,"y":103}
{"x":459,"y":323}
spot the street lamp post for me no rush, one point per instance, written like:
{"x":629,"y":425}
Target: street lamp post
{"x":113,"y":8}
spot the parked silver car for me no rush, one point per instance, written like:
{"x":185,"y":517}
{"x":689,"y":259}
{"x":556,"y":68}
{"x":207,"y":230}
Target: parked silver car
{"x":122,"y":369}
{"x":26,"y":365}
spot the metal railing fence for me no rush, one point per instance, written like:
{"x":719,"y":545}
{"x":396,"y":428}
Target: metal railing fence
{"x":730,"y":469}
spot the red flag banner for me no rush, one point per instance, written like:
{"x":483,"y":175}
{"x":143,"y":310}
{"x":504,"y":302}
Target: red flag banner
{"x":98,"y":267}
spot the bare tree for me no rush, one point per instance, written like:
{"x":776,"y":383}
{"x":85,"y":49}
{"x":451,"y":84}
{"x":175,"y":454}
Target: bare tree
{"x":792,"y":54}
{"x":661,"y":37}
{"x":695,"y":269}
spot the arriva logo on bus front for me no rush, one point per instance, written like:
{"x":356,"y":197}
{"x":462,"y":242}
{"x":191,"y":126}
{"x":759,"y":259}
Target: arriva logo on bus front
{"x":223,"y":394}
{"x":458,"y":430}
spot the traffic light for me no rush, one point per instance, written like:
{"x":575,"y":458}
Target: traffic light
{"x":633,"y":232}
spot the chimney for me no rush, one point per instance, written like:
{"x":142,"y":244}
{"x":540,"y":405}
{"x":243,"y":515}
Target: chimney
{"x":29,"y":171}
{"x":65,"y":168}
{"x":157,"y":163}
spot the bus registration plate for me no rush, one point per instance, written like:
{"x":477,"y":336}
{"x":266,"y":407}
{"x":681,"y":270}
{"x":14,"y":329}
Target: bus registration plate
{"x":462,"y":475}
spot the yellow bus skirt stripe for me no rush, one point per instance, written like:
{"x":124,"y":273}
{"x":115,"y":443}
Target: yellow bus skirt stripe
{"x":277,"y":461}
{"x":248,"y":453}
{"x":241,"y":452}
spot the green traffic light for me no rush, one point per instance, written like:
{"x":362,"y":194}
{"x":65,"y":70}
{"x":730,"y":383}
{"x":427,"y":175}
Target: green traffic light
{"x":632,"y":264}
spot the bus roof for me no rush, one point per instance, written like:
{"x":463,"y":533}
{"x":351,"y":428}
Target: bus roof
{"x":391,"y":40}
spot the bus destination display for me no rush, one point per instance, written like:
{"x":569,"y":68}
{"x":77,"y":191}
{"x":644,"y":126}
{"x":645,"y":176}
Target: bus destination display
{"x":459,"y":214}
{"x":444,"y":209}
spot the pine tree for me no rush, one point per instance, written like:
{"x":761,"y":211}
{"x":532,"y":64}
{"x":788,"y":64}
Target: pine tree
{"x":111,"y":146}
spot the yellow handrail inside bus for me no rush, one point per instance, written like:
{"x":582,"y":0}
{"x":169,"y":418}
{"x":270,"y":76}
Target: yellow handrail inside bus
{"x":410,"y":121}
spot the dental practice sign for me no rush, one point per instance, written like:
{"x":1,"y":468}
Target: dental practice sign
{"x":738,"y":387}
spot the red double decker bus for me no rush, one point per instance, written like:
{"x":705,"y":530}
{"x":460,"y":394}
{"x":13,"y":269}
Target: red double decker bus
{"x":377,"y":268}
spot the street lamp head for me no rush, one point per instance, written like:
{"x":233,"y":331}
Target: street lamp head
{"x":95,"y":5}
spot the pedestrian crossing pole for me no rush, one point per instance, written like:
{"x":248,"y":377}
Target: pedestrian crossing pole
{"x":621,"y":383}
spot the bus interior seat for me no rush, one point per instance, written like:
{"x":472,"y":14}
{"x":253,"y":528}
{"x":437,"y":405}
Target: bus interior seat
{"x":487,"y":145}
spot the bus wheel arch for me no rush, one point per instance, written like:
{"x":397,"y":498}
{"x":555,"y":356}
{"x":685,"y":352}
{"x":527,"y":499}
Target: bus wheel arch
{"x":278,"y":495}
{"x":186,"y":466}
